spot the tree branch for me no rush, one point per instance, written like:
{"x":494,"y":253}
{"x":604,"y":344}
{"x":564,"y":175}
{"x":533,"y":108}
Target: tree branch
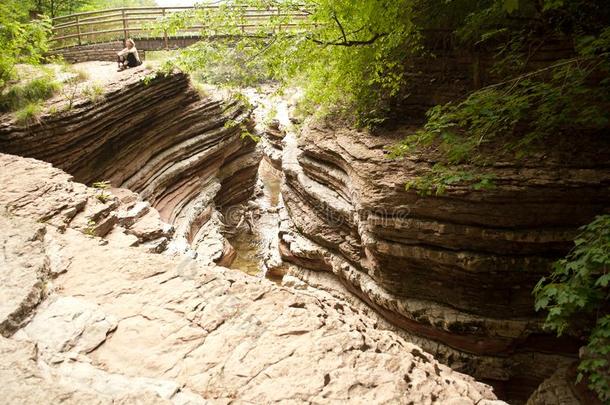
{"x":348,"y":43}
{"x":340,"y":27}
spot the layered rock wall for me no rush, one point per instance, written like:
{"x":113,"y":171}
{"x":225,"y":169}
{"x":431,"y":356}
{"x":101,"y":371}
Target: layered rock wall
{"x":456,"y":270}
{"x":153,"y":134}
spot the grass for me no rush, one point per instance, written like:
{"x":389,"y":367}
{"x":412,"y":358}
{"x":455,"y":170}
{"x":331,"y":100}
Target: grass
{"x":22,"y":95}
{"x":160,"y":56}
{"x":95,"y":92}
{"x":29,"y":113}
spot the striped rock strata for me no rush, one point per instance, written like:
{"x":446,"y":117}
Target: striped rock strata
{"x":455,"y":271}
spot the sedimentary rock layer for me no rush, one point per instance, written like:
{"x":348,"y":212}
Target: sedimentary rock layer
{"x":153,"y":134}
{"x":100,"y":322}
{"x":458,"y":269}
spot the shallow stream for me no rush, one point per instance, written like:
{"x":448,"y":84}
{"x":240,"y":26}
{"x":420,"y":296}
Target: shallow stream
{"x":252,"y":247}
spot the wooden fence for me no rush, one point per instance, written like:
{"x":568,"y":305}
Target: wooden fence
{"x":121,"y":23}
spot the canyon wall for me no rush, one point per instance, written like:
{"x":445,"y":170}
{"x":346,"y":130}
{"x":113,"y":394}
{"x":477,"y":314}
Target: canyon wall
{"x":456,"y":271}
{"x":157,"y":136}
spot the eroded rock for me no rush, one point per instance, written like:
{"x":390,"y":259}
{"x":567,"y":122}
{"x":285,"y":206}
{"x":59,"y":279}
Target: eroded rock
{"x":121,"y":324}
{"x":454,"y":271}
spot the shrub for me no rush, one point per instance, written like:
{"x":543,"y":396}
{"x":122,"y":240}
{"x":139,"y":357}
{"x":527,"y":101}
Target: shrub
{"x":577,"y":298}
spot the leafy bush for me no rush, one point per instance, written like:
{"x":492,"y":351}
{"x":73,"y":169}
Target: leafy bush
{"x":21,"y":40}
{"x":577,"y":298}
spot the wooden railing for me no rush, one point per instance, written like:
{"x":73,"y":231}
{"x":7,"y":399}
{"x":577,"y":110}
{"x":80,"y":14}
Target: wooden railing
{"x":121,"y":23}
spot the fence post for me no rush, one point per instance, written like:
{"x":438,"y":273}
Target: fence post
{"x":125,"y":31}
{"x":78,"y":31}
{"x":165,"y":39}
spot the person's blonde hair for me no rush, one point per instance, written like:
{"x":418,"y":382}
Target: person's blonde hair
{"x":129,"y":40}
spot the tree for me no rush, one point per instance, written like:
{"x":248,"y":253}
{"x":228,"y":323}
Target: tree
{"x":56,"y":8}
{"x":21,"y":40}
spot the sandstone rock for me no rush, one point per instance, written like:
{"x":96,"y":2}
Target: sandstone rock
{"x":68,"y":325}
{"x":23,"y":274}
{"x":40,"y":192}
{"x":24,"y":383}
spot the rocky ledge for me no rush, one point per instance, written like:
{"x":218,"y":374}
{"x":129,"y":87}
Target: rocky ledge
{"x":155,"y":135}
{"x":86,"y":318}
{"x":454,"y":271}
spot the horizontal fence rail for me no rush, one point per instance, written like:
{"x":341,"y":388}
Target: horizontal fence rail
{"x":114,"y":24}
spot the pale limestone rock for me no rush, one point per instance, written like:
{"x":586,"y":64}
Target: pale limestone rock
{"x":23,"y":382}
{"x":121,"y":325}
{"x":23,"y":271}
{"x":68,"y":325}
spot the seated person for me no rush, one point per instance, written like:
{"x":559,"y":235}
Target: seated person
{"x":129,"y":56}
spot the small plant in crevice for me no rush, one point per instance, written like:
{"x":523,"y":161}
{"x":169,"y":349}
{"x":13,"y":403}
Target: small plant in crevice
{"x":576,"y":297}
{"x":94,"y":92}
{"x":70,"y":92}
{"x":163,"y":71}
{"x":90,"y":229}
{"x":102,"y":197}
{"x":243,"y":128}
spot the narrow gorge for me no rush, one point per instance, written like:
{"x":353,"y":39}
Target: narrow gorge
{"x":121,"y":216}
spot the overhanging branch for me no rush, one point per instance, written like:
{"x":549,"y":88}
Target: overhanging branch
{"x":370,"y":41}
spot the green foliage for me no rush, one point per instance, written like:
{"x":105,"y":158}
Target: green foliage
{"x":347,"y":55}
{"x":28,"y":114}
{"x":33,"y":91}
{"x":531,"y":107}
{"x":577,"y":298}
{"x":519,"y":114}
{"x":101,"y":185}
{"x":21,"y":40}
{"x":55,"y":8}
{"x":94,"y":5}
{"x":94,"y":92}
{"x":441,"y":177}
